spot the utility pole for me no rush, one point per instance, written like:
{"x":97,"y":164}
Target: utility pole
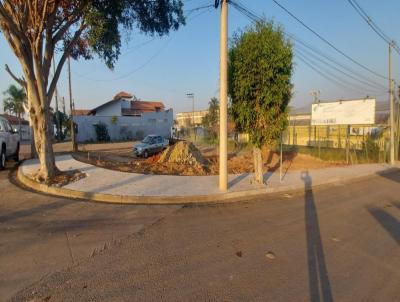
{"x":56,"y":98}
{"x":315,"y":94}
{"x":191,"y":96}
{"x":74,"y":146}
{"x":63,"y":105}
{"x":223,"y":111}
{"x":392,"y":127}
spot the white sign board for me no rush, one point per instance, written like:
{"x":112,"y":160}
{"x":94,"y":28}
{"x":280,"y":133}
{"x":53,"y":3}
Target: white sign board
{"x":355,"y":112}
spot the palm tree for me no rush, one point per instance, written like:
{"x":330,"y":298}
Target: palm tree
{"x":15,"y":101}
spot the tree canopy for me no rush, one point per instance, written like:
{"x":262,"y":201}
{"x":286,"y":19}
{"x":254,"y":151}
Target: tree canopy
{"x":36,"y":30}
{"x":211,"y":119}
{"x":260,"y":71}
{"x":14,"y":101}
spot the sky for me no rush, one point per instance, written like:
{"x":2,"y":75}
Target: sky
{"x":187,"y":61}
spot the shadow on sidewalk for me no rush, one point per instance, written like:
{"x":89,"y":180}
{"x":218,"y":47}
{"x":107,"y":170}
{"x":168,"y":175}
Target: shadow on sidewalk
{"x":318,"y":279}
{"x":387,"y":221}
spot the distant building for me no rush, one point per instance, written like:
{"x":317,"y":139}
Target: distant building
{"x":125,"y":104}
{"x":187,"y":119}
{"x":302,"y":116}
{"x":126,"y":118}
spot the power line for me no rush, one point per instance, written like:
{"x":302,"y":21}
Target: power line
{"x":329,"y":43}
{"x":325,"y":71}
{"x":306,"y":52}
{"x":203,"y":9}
{"x":327,"y":76}
{"x":350,"y":73}
{"x":373,"y":25}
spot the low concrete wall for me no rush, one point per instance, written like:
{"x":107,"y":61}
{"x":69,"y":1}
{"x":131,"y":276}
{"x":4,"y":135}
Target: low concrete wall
{"x":126,"y":127}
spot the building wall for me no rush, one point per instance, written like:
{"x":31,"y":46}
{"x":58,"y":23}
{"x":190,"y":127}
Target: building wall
{"x":126,"y":127}
{"x":111,"y":109}
{"x":185,"y":119}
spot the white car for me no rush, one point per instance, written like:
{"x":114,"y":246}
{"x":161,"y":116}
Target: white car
{"x":9,"y":143}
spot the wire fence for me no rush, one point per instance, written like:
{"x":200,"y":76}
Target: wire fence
{"x":352,"y":144}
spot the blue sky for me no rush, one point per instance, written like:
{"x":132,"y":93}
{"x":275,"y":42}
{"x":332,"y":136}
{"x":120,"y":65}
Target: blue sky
{"x":188,"y":60}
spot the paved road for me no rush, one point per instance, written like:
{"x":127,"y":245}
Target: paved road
{"x":340,"y":243}
{"x":40,"y":234}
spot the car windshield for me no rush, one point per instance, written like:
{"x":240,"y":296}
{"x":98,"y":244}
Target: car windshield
{"x":148,"y":140}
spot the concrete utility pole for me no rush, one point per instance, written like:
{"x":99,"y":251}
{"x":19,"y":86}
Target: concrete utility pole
{"x":74,"y":146}
{"x":56,"y":98}
{"x":391,"y":100}
{"x":223,"y":111}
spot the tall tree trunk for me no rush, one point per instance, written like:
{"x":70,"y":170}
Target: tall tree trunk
{"x":258,"y":165}
{"x":44,"y":144}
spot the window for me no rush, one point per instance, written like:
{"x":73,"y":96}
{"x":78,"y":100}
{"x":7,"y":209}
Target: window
{"x":2,"y":129}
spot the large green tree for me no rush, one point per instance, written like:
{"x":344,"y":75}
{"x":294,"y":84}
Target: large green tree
{"x":211,"y":119}
{"x":36,"y":29}
{"x":15,"y":102}
{"x":260,"y":71}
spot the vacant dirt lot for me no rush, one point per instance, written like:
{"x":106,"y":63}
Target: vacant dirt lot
{"x":119,"y":157}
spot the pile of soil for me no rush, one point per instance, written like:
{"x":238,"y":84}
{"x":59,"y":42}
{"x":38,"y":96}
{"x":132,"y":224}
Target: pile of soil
{"x":183,"y":153}
{"x":184,"y":158}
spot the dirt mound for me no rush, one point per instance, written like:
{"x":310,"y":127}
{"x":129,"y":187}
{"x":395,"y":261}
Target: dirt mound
{"x":182,"y":153}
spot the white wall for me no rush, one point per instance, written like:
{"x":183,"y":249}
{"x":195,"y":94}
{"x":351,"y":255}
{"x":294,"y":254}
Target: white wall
{"x":111,"y":109}
{"x":126,"y":127}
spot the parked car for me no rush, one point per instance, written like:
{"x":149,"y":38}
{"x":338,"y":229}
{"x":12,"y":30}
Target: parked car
{"x":9,"y":143}
{"x":151,"y":144}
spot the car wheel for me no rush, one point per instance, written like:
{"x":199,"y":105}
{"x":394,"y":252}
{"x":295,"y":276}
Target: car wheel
{"x":16,"y":155}
{"x":145,"y":154}
{"x":2,"y":159}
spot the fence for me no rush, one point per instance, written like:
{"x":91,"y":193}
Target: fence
{"x":351,"y":144}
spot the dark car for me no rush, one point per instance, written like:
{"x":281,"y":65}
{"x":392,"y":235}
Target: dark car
{"x":151,"y":144}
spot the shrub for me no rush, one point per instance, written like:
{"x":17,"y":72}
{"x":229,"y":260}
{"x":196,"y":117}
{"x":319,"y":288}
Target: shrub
{"x":101,"y":132}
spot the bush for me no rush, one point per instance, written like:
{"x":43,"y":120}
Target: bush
{"x":371,"y":149}
{"x":101,"y":132}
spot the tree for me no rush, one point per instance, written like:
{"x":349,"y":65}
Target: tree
{"x":35,"y":30}
{"x":14,"y":102}
{"x":260,"y":70}
{"x":211,"y":119}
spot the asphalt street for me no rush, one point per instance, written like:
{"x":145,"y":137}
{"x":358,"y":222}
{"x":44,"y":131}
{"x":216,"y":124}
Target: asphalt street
{"x":336,"y":243}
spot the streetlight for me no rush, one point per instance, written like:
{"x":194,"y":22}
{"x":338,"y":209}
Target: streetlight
{"x":191,"y":96}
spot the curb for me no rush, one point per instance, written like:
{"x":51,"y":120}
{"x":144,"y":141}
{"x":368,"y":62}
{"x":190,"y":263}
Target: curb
{"x":175,"y":200}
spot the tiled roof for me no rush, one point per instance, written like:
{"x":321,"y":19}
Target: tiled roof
{"x":147,"y":106}
{"x":122,"y":95}
{"x":13,"y":120}
{"x":79,"y":112}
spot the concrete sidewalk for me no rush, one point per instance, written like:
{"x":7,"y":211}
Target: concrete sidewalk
{"x":100,"y":181}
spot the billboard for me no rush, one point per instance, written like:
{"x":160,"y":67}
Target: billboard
{"x":354,"y":112}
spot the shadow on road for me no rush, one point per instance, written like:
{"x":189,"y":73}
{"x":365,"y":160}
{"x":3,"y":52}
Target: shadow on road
{"x":387,"y":221}
{"x":318,"y":279}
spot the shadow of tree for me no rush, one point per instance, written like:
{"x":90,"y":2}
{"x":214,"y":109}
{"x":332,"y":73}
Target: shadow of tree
{"x":318,"y":279}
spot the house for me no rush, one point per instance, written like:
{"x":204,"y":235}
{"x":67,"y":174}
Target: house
{"x":126,"y":118}
{"x":125,"y":104}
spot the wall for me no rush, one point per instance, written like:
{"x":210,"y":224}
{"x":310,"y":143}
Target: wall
{"x":126,"y":127}
{"x":111,"y":109}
